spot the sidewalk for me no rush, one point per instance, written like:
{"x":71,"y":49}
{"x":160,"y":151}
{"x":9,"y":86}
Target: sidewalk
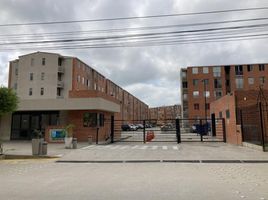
{"x":191,"y":151}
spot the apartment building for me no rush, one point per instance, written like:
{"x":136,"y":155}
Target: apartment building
{"x":204,"y":84}
{"x":164,"y":113}
{"x":56,"y":90}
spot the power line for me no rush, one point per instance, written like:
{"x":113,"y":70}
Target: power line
{"x":133,"y":17}
{"x":135,"y":28}
{"x":133,"y":35}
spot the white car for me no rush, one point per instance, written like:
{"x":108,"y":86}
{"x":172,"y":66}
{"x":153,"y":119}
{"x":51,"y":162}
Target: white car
{"x":133,"y":127}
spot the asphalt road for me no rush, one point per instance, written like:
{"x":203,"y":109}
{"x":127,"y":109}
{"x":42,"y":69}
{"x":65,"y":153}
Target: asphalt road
{"x":46,"y":179}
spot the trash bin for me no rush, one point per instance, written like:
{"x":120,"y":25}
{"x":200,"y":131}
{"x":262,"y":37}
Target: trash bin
{"x":44,"y":148}
{"x":74,"y":143}
{"x":89,"y":139}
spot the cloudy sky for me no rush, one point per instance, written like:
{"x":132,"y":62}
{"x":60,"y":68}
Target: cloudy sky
{"x":149,"y":72}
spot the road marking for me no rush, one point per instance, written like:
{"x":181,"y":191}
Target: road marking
{"x":124,"y":147}
{"x":175,"y":147}
{"x":154,"y":147}
{"x":143,"y":147}
{"x":135,"y":147}
{"x":88,"y":147}
{"x":115,"y":147}
{"x":164,"y":147}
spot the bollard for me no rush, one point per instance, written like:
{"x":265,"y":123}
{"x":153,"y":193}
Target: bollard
{"x":44,"y":148}
{"x":74,"y":143}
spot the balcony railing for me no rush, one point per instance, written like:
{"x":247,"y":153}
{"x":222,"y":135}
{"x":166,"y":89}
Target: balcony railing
{"x":60,"y":84}
{"x":60,"y":69}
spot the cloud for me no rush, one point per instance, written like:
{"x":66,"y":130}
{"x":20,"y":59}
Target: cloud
{"x":150,"y":73}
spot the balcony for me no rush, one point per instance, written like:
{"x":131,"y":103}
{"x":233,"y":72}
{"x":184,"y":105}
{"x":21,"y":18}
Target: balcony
{"x":60,"y":84}
{"x":60,"y":69}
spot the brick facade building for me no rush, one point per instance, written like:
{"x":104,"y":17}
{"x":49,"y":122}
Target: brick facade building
{"x":202,"y":85}
{"x":164,"y":113}
{"x":56,"y":90}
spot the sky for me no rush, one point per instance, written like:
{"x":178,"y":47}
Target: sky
{"x":151,"y":73}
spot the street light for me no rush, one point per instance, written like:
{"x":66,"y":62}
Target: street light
{"x":205,"y":90}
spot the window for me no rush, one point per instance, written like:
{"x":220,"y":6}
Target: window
{"x":88,"y":83}
{"x":250,"y":81}
{"x":262,"y":80}
{"x":185,"y":96}
{"x":239,"y":70}
{"x":227,"y":114}
{"x":30,"y":91}
{"x":78,"y":78}
{"x":220,"y":114}
{"x":217,"y":71}
{"x":59,"y":61}
{"x":195,"y":70}
{"x":95,"y":86}
{"x":195,"y":82}
{"x":83,"y":80}
{"x":32,"y":61}
{"x":250,"y":68}
{"x":183,"y":74}
{"x":195,"y":94}
{"x":207,"y":107}
{"x":261,"y":67}
{"x":90,"y":119}
{"x":206,"y":81}
{"x":205,"y":70}
{"x":184,"y":85}
{"x":43,"y":76}
{"x":43,"y":61}
{"x":206,"y":94}
{"x":218,"y":94}
{"x":217,"y":83}
{"x":58,"y":92}
{"x":196,"y":106}
{"x":239,"y":83}
{"x":101,"y":119}
{"x":42,"y":91}
{"x":16,"y":71}
{"x":31,"y":76}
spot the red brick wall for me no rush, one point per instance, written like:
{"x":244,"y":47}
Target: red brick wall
{"x":227,"y":102}
{"x":82,"y":133}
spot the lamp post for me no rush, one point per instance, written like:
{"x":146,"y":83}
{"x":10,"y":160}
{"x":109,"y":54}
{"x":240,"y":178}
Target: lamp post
{"x":205,"y":90}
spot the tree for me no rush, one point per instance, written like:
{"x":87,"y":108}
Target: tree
{"x":8,"y":100}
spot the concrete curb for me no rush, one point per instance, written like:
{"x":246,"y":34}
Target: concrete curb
{"x":13,"y":157}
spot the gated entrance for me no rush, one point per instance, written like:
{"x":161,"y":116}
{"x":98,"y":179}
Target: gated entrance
{"x":172,"y":130}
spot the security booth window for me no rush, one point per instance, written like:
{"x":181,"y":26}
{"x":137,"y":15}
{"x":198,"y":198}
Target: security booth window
{"x":90,"y":119}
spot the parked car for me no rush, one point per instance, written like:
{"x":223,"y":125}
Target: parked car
{"x":167,"y":127}
{"x":125,"y":127}
{"x":140,"y":126}
{"x":133,"y":127}
{"x":148,"y":125}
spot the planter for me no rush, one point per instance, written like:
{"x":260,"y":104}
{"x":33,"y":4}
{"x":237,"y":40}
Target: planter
{"x":36,"y":144}
{"x":68,"y":142}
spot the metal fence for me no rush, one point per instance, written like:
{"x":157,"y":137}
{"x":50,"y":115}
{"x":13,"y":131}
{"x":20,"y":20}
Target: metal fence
{"x":171,"y":130}
{"x":254,"y":124}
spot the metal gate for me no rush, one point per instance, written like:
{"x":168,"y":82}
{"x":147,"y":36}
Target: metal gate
{"x":254,"y":124}
{"x":171,"y":130}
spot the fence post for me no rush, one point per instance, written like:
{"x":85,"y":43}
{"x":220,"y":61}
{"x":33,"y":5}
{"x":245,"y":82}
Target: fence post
{"x":97,"y":136}
{"x":262,"y":128}
{"x":201,"y":130}
{"x":213,"y":124}
{"x":112,"y":129}
{"x":178,"y":131}
{"x":144,"y":137}
{"x":224,"y":130}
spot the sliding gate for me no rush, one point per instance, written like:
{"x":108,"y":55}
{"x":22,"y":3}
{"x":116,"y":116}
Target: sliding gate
{"x":170,"y":130}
